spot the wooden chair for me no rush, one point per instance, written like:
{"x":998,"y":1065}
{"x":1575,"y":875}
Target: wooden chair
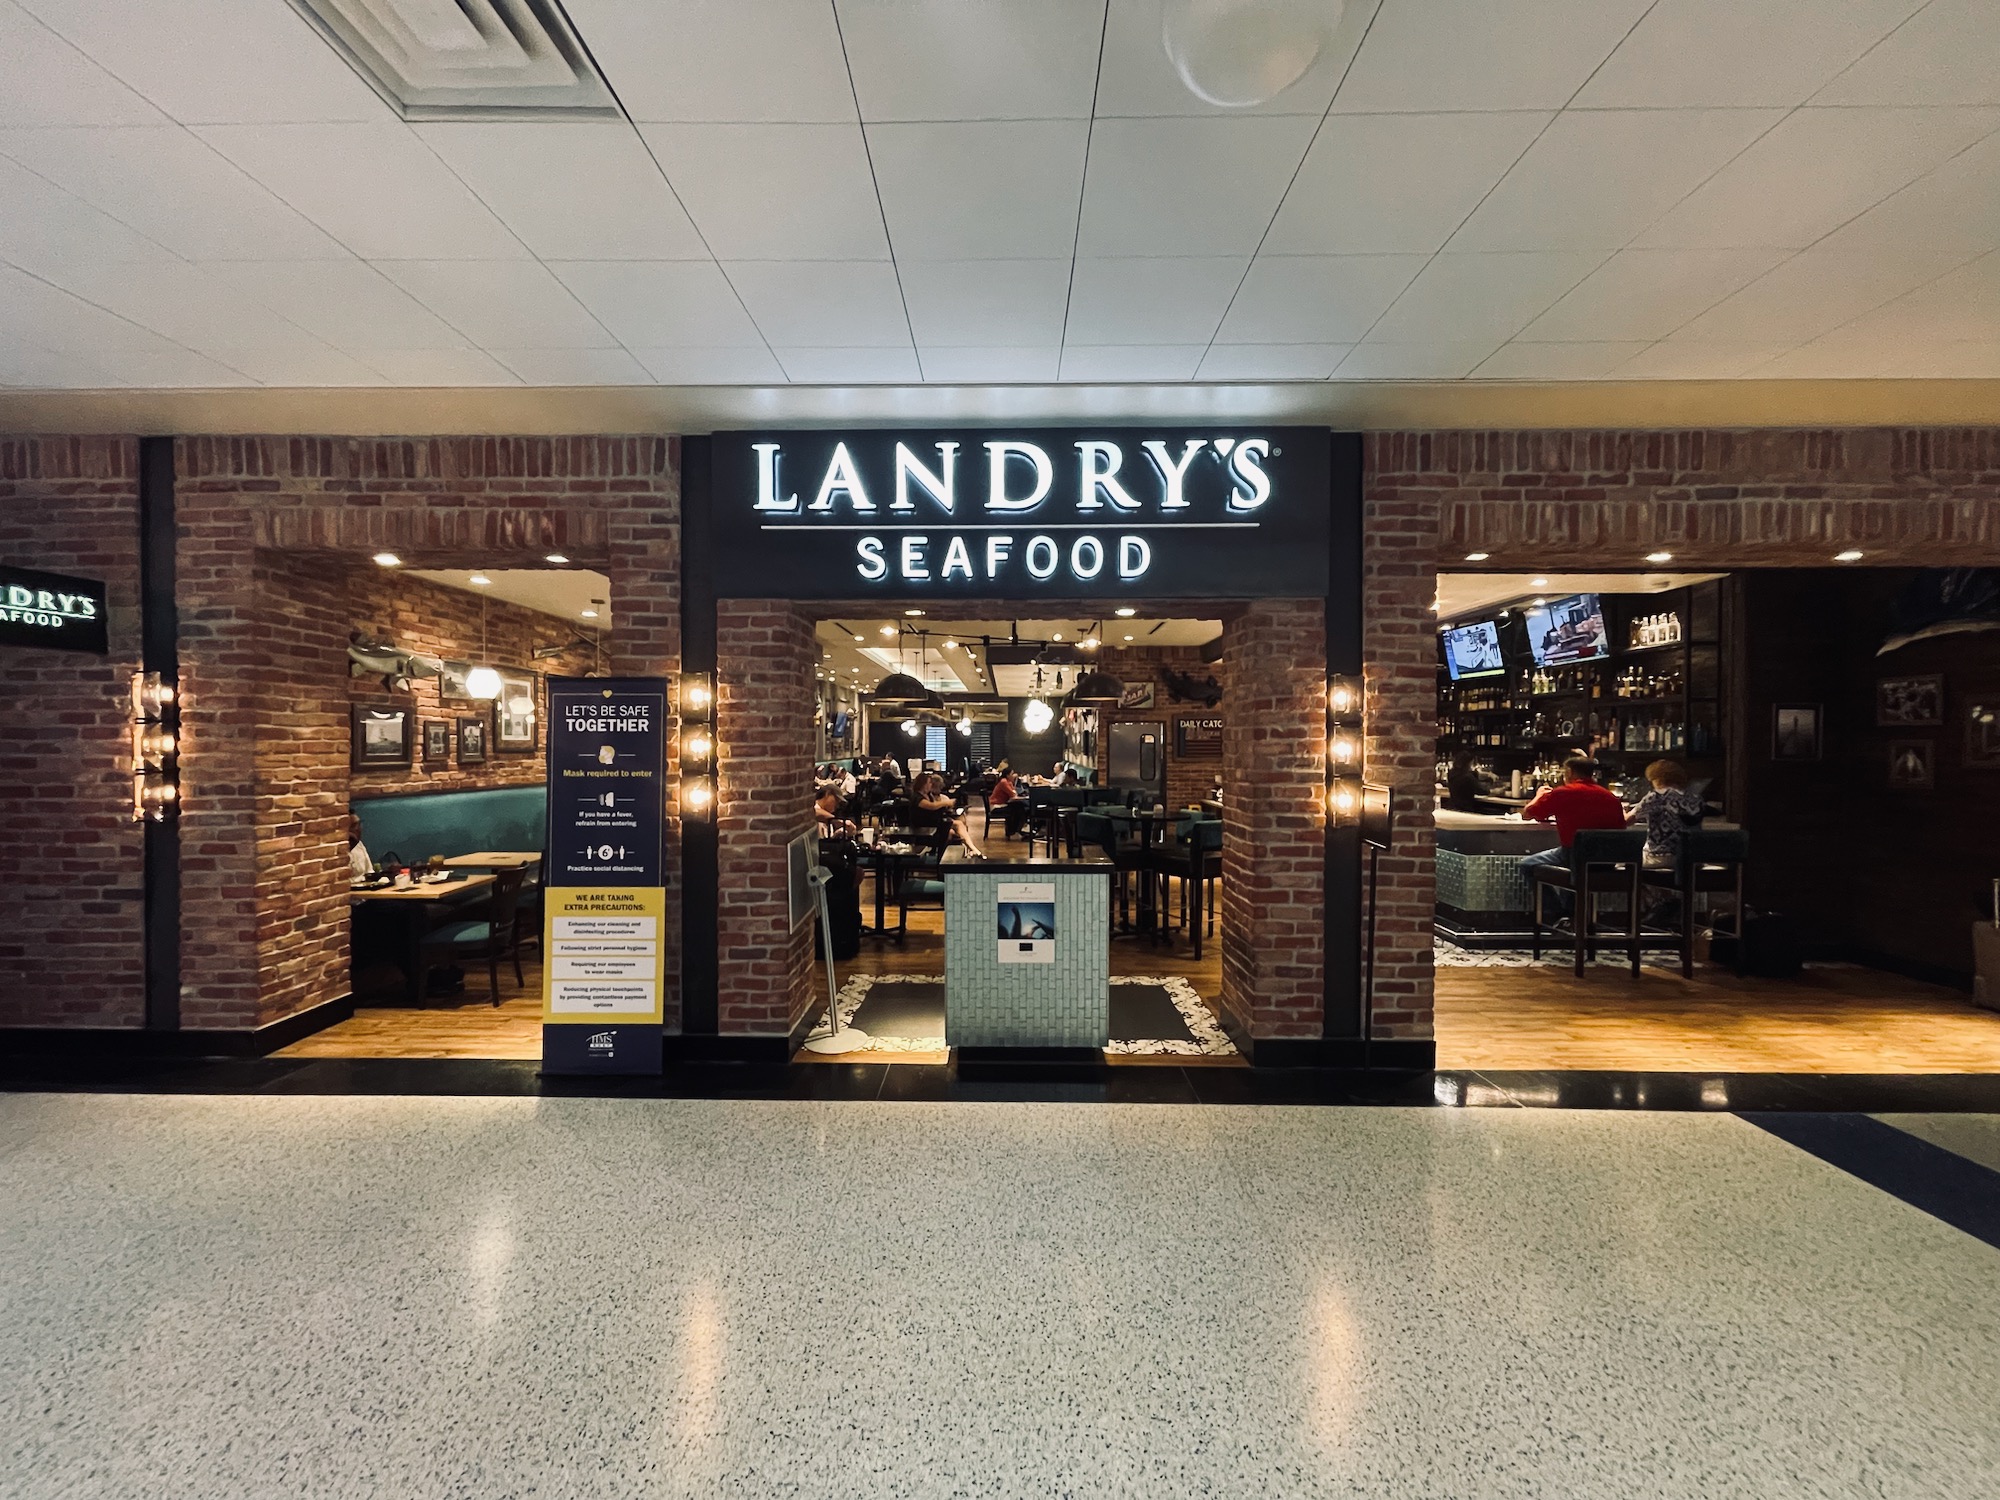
{"x":475,"y":941}
{"x":1603,"y":862}
{"x":1711,"y":860}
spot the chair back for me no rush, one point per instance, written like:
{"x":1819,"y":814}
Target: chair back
{"x":1608,"y":846}
{"x":503,"y":901}
{"x":1714,"y":846}
{"x":1104,"y":796}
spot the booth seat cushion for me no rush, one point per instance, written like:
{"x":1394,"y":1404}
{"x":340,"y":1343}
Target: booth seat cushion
{"x":453,"y":823}
{"x":459,"y":935}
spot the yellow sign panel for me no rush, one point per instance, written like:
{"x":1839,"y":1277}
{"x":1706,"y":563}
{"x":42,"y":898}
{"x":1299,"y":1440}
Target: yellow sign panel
{"x":603,"y":949}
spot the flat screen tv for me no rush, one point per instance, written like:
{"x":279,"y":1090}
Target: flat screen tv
{"x":1473,"y":651}
{"x":1566,"y":630}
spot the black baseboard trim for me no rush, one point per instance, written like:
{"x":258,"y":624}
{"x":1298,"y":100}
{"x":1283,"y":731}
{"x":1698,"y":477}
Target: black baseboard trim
{"x":802,"y":1028}
{"x":990,"y":1057}
{"x":1345,"y":1054}
{"x":706,"y":1051}
{"x":83,"y":1043}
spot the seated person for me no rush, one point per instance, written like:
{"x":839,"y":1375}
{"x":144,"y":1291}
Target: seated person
{"x":932,"y":800}
{"x":1007,"y":797}
{"x":826,"y":808}
{"x":360,"y":865}
{"x":1070,"y":778}
{"x":1463,"y":785}
{"x":1666,"y":812}
{"x":1577,"y":804}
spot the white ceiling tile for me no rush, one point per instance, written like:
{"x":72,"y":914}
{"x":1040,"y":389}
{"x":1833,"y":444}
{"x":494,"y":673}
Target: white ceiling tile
{"x":173,"y":188}
{"x":1944,"y":55}
{"x":348,"y":303}
{"x":47,"y":81}
{"x":1137,"y":78}
{"x":855,"y":366}
{"x":44,"y":229}
{"x":441,"y":367}
{"x":178,"y":301}
{"x":1813,"y":292}
{"x":823,"y":304}
{"x":775,"y":192}
{"x":375,"y":188}
{"x":1383,"y":183}
{"x":1151,"y":299}
{"x":1963,"y":304}
{"x":1423,"y":361}
{"x":1124,"y":363}
{"x":1315,"y":299}
{"x":998,"y":366}
{"x":295,"y":364}
{"x":774,"y":60}
{"x":947,"y":60}
{"x":980,"y":191}
{"x":1596,"y":178}
{"x":1687,"y":359}
{"x":1817,"y":169}
{"x":1461,"y":299}
{"x":1187,"y":186}
{"x":986,"y":302}
{"x":1955,"y":208}
{"x":220,"y":60}
{"x":1647,"y":294}
{"x":731,"y":366}
{"x":48,"y":317}
{"x":1483,"y":54}
{"x":570,"y":367}
{"x":1714,"y":52}
{"x":169,"y":367}
{"x":1270,"y":361}
{"x":29,"y":367}
{"x":501,"y":304}
{"x":572,"y":190}
{"x":661,"y":304}
{"x":1535,"y":361}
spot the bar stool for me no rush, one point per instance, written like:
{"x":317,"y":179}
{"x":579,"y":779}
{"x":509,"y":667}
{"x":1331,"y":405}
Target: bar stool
{"x":1603,"y":862}
{"x":1711,"y":859}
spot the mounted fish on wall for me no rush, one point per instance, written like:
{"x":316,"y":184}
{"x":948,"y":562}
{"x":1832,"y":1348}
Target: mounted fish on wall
{"x":1944,"y":601}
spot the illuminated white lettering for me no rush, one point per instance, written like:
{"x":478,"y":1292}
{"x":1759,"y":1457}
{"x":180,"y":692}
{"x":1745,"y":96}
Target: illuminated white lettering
{"x":998,"y":549}
{"x":1086,"y":557}
{"x":767,"y":480}
{"x":997,"y":455}
{"x":841,"y":478}
{"x":1099,"y":462}
{"x":45,"y":600}
{"x":1173,"y":476}
{"x":914,"y":563}
{"x":1042,"y":555}
{"x":1135,"y":555}
{"x":19,"y":597}
{"x":941,"y":484}
{"x":871,"y":565}
{"x":955,"y":556}
{"x":1253,"y":485}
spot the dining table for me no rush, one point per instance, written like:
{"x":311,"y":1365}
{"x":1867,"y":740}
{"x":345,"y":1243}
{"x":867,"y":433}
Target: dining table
{"x":410,"y":912}
{"x":889,"y":858}
{"x":494,"y":859}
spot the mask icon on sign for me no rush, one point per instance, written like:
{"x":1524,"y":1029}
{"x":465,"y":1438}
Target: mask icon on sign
{"x":606,"y":755}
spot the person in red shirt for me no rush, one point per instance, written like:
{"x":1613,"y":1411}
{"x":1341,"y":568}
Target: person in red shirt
{"x":1577,"y":804}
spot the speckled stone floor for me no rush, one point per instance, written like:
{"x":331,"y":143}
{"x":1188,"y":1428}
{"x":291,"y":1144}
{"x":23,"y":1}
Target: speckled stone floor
{"x":235,"y":1296}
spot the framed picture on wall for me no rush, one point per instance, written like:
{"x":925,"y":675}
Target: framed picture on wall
{"x":1137,"y":695}
{"x":381,"y":738}
{"x":1913,"y":765}
{"x":437,"y":742}
{"x":1795,"y":731}
{"x":1982,"y":735}
{"x":1913,"y":701}
{"x":451,"y":680}
{"x":471,"y":742}
{"x":514,"y":711}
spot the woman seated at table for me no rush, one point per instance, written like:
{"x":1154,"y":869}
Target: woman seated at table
{"x":932,"y":801}
{"x":1005,"y":796}
{"x":826,"y":808}
{"x":1666,"y":812}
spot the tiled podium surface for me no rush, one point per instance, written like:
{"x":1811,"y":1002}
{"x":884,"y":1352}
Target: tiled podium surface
{"x":1066,"y":1003}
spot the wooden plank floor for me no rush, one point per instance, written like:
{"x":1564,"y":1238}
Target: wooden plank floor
{"x":467,"y":1027}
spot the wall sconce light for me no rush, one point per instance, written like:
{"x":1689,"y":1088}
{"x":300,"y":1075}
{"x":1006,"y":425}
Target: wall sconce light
{"x":1343,"y":697}
{"x":155,"y":748}
{"x":698,"y":794}
{"x":1343,"y":801}
{"x":697,"y":744}
{"x":1344,"y":747}
{"x":697,"y":695}
{"x":1343,"y":750}
{"x":696,"y":748}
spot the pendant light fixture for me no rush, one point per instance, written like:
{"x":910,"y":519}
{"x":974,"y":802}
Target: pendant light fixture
{"x":1097,"y":687}
{"x":482,"y":681}
{"x":901,"y":687}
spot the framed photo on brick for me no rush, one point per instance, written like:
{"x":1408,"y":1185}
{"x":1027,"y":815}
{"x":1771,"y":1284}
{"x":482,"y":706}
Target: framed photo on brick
{"x":472,"y":734}
{"x":1982,"y":735}
{"x":514,"y":712}
{"x":1914,"y":702}
{"x":381,"y":737}
{"x":1795,"y":731}
{"x":437,"y":742}
{"x":1913,"y":765}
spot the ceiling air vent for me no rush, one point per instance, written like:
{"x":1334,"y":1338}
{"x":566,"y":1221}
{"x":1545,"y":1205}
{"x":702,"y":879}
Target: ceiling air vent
{"x":466,"y":59}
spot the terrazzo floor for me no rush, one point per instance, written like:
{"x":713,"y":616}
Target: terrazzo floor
{"x":239,"y":1296}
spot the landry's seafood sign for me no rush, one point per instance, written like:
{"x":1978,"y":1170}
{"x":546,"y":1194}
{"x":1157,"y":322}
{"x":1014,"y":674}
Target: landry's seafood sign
{"x":51,"y":609}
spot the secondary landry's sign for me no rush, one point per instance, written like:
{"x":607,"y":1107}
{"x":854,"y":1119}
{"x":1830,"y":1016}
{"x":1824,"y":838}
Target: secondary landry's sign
{"x":52,"y":609}
{"x":1035,"y":513}
{"x":605,"y":902}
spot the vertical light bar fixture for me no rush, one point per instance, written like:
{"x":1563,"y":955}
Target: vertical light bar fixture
{"x":1343,"y":749}
{"x":697,"y":709}
{"x":155,"y":748}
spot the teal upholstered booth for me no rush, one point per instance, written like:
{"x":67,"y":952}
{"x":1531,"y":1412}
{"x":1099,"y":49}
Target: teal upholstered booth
{"x":451,"y":823}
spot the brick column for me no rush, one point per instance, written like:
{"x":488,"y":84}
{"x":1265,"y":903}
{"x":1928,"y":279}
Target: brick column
{"x":1274,"y":820}
{"x":765,"y":651}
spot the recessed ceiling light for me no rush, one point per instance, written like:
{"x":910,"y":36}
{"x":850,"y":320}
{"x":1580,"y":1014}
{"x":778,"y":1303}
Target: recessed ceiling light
{"x":481,"y":579}
{"x":888,"y":630}
{"x":1128,"y":637}
{"x":861,"y":637}
{"x":1538,"y":583}
{"x":588,"y":614}
{"x":1659,"y":557}
{"x":1125,"y":612}
{"x":912,"y":611}
{"x":1538,"y":601}
{"x":1852,"y":554}
{"x":388,"y":559}
{"x":1477,"y":556}
{"x":557,"y":558}
{"x":1057,"y":636}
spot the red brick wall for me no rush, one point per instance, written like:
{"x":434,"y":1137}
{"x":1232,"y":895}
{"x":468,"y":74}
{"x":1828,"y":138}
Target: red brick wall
{"x":72,"y":902}
{"x":765,"y":655}
{"x":1189,"y":778}
{"x":1274,"y":819}
{"x":609,"y":503}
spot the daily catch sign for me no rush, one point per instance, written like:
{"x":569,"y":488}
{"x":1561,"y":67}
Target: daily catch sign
{"x":604,"y":903}
{"x":1065,"y":513}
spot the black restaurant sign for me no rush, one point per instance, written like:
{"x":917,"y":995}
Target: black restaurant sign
{"x":51,"y":609}
{"x":1022,"y":513}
